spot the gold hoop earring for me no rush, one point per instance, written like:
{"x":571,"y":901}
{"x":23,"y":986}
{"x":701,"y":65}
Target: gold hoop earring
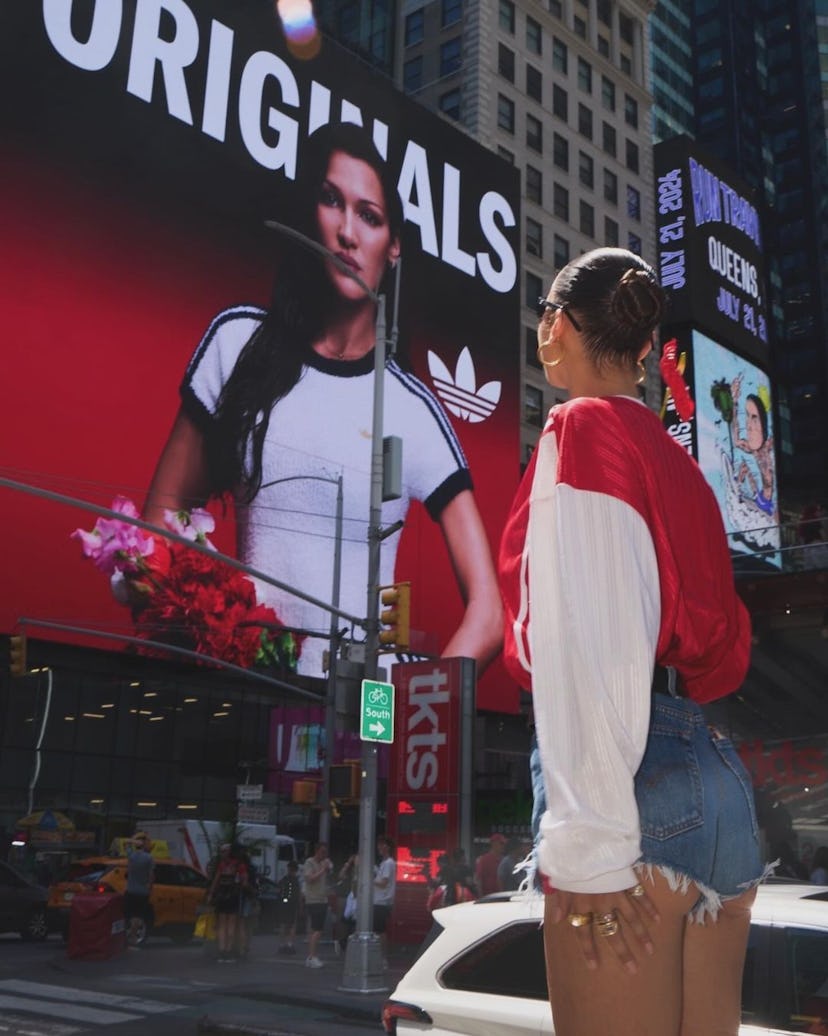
{"x":547,"y":363}
{"x":642,"y":377}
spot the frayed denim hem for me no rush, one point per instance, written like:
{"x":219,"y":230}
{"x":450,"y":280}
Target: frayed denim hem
{"x":710,"y":901}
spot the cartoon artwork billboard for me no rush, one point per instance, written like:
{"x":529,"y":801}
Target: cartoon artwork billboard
{"x":735,"y":447}
{"x":168,"y":347}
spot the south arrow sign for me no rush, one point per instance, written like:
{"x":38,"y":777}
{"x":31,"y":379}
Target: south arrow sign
{"x":377,"y":711}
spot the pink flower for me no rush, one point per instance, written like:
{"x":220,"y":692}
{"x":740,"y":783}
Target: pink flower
{"x":192,"y":525}
{"x":113,"y":545}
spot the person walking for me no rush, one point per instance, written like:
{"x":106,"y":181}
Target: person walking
{"x":140,"y":873}
{"x":316,"y":873}
{"x":385,"y":887}
{"x":487,"y":864}
{"x":226,"y":890}
{"x":507,"y":878}
{"x":622,"y":618}
{"x":290,"y":900}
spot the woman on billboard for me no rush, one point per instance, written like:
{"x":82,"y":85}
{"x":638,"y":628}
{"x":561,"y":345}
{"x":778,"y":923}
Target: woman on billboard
{"x":623,"y":618}
{"x":277,"y":403}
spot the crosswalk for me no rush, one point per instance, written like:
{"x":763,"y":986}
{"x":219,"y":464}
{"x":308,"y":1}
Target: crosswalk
{"x":43,"y":1009}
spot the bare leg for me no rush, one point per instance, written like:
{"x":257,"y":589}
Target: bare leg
{"x":648,"y":1003}
{"x":714,"y":956}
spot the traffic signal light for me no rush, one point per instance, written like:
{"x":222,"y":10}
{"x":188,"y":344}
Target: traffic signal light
{"x":396,"y":615}
{"x":17,"y":654}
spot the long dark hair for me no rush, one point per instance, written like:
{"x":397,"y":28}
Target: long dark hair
{"x":271,"y":362}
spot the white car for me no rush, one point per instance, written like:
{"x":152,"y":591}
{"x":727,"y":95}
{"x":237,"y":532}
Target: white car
{"x":482,"y":969}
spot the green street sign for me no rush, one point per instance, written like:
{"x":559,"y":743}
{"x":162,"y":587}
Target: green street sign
{"x":377,"y":711}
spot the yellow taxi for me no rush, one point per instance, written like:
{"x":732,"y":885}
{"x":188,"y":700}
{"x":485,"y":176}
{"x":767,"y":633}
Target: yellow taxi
{"x":177,"y":891}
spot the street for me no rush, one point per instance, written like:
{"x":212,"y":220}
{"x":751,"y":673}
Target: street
{"x":178,"y":990}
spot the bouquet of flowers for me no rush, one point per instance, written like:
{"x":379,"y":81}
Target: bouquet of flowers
{"x":183,"y":597}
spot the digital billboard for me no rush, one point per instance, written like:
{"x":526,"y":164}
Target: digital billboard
{"x":148,"y":145}
{"x":731,"y":435}
{"x":710,"y":248}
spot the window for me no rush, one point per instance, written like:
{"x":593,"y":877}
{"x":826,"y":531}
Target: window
{"x":506,"y":62}
{"x":632,"y":156}
{"x":608,"y":93}
{"x":603,"y":46}
{"x":452,"y":11}
{"x":509,"y":962}
{"x":587,"y":219}
{"x":608,"y":140}
{"x":631,"y":111}
{"x":603,"y":9}
{"x":626,"y":27}
{"x":610,"y":232}
{"x":534,"y":288}
{"x":556,"y":8}
{"x":534,"y":185}
{"x":586,"y":169}
{"x":533,"y":409}
{"x":534,"y":133}
{"x":534,"y":237}
{"x":504,"y":152}
{"x":633,"y":203}
{"x":560,"y":151}
{"x":610,"y":186}
{"x":625,"y":65}
{"x":806,"y":952}
{"x":534,"y":83}
{"x":534,"y":36}
{"x":532,"y":348}
{"x":579,"y":25}
{"x":634,"y":243}
{"x":585,"y":120}
{"x":414,"y":26}
{"x":560,"y":58}
{"x":450,"y":54}
{"x":505,"y":113}
{"x":560,"y":251}
{"x":560,"y":102}
{"x":560,"y":202}
{"x":413,"y":75}
{"x":585,"y":75}
{"x":506,"y":15}
{"x":450,"y":104}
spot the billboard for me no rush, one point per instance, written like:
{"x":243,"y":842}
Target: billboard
{"x":731,"y":435}
{"x":148,"y":145}
{"x":710,"y":248}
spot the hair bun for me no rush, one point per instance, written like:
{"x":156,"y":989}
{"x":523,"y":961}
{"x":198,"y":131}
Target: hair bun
{"x":638,"y":301}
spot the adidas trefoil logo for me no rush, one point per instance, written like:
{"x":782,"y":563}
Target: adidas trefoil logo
{"x":460,"y":394}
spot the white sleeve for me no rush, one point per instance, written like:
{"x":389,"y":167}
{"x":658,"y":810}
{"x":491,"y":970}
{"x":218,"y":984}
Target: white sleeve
{"x":217,"y":354}
{"x":594,"y":621}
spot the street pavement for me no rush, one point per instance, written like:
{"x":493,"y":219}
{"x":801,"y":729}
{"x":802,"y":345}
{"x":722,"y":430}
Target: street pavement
{"x":269,"y":994}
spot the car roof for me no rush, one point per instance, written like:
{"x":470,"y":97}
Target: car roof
{"x":115,"y":861}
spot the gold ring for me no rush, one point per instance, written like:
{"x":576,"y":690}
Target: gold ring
{"x":579,"y":920}
{"x":607,"y":928}
{"x":637,"y":891}
{"x":607,"y":918}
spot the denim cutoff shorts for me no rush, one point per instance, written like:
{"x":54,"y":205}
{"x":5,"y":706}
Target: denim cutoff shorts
{"x":696,"y":808}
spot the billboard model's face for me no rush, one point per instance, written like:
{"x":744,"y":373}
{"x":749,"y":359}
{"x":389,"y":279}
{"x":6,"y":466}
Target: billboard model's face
{"x":755,"y":427}
{"x":352,"y":218}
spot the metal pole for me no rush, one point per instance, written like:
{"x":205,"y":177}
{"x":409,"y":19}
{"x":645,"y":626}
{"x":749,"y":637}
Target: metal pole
{"x":364,"y":970}
{"x":333,"y":650}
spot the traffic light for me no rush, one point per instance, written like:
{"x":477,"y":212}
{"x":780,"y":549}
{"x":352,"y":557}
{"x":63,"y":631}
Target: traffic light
{"x":396,"y":615}
{"x":17,"y":654}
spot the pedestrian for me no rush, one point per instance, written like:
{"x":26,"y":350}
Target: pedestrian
{"x":819,"y":866}
{"x":290,"y":900}
{"x":385,"y":887}
{"x":507,"y":879}
{"x":140,"y":873}
{"x":316,"y":874}
{"x":487,"y":864}
{"x":347,"y":881}
{"x":622,"y":618}
{"x":249,"y":907}
{"x":229,"y":883}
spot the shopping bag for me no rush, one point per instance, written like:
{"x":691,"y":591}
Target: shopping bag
{"x":205,"y":926}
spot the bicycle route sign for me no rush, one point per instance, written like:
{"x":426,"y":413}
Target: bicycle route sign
{"x":377,"y":711}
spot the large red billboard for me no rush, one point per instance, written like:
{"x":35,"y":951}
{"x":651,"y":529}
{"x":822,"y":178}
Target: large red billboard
{"x":147,"y":146}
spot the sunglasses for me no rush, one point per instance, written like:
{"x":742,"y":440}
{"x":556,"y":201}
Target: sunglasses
{"x":545,"y":304}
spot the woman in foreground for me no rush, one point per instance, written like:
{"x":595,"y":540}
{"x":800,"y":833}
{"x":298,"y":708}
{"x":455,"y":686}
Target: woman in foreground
{"x":623,"y":618}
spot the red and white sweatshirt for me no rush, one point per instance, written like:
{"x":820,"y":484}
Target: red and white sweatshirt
{"x":613,"y":557}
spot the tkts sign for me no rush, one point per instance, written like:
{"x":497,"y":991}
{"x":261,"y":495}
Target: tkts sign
{"x":429,"y":804}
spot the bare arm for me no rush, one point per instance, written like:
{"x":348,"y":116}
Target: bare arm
{"x":181,"y":480}
{"x":480,"y":633}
